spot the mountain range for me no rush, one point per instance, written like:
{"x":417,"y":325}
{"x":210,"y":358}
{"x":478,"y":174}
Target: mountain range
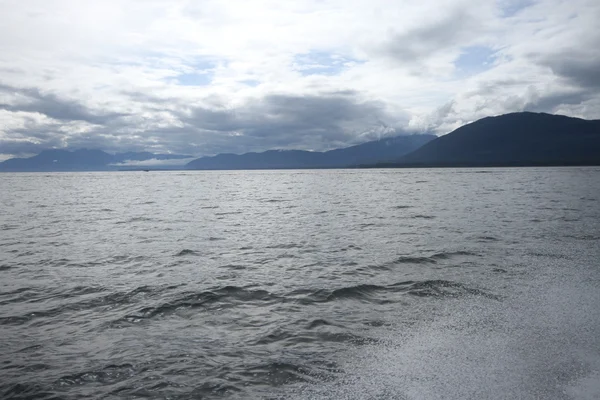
{"x":517,"y":139}
{"x":384,"y":150}
{"x":82,"y":160}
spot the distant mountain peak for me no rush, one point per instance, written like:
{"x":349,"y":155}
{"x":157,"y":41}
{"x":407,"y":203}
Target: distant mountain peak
{"x":523,"y":138}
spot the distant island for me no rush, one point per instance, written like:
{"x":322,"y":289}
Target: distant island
{"x":516,"y":139}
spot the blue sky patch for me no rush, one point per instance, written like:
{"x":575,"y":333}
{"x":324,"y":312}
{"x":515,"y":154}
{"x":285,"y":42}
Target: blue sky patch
{"x":320,"y":63}
{"x":251,"y":82}
{"x":512,"y":7}
{"x":194,"y":79}
{"x":473,"y":60}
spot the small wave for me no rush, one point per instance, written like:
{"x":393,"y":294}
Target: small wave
{"x":233,"y":266}
{"x":451,"y":254}
{"x":210,"y":389}
{"x":422,"y":216}
{"x":584,"y":237}
{"x":442,"y":288}
{"x":414,"y":260}
{"x":278,"y":373}
{"x":8,"y":227}
{"x":285,"y":246}
{"x":16,"y":320}
{"x":275,"y":201}
{"x":379,"y":294}
{"x":16,"y":291}
{"x":318,"y":322}
{"x":286,"y":255}
{"x":363,"y":292}
{"x":548,"y":255}
{"x":30,"y":348}
{"x":134,"y":219}
{"x":345,"y":337}
{"x":487,"y":239}
{"x":276,"y":335}
{"x":109,"y":300}
{"x":226,"y":296}
{"x":367,"y":225}
{"x":187,"y":252}
{"x":27,"y":390}
{"x":432,"y":259}
{"x":108,"y":375}
{"x":347,"y":248}
{"x":355,"y":292}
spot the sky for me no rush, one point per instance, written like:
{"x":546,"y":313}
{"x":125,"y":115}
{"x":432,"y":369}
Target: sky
{"x":214,"y":76}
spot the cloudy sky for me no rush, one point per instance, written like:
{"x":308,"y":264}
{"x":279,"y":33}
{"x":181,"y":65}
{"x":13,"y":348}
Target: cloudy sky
{"x":209,"y":76}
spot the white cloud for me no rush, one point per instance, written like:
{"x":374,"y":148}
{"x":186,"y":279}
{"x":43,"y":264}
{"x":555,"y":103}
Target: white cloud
{"x":205,"y":76}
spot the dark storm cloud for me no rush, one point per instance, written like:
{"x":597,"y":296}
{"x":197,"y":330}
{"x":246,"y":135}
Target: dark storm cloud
{"x":53,"y":106}
{"x":319,"y":121}
{"x":579,"y":63}
{"x":550,"y":101}
{"x":580,"y":70}
{"x":284,"y":121}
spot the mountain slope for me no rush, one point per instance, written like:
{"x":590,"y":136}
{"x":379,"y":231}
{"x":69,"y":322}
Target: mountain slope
{"x":514,"y":139}
{"x":371,"y":152}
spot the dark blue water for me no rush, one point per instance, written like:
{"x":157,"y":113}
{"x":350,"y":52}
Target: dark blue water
{"x":334,"y":284}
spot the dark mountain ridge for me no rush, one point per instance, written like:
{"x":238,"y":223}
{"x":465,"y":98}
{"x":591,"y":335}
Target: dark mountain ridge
{"x":384,"y":150}
{"x":517,"y":139}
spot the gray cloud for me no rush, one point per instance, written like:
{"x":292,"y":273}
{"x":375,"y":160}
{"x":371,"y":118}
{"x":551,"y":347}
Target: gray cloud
{"x":23,"y":147}
{"x":292,"y":121}
{"x":581,"y":70}
{"x":412,"y":47}
{"x":492,"y":98}
{"x":51,"y":105}
{"x":320,"y":121}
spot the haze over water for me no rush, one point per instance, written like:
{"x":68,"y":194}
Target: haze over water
{"x":328,"y":284}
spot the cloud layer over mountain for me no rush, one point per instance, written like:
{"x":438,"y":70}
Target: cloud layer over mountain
{"x":204,"y":77}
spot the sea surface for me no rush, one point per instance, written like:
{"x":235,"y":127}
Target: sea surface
{"x":328,"y":284}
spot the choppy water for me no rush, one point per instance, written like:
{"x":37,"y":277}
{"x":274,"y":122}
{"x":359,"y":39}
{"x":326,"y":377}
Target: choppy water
{"x":336,"y":284}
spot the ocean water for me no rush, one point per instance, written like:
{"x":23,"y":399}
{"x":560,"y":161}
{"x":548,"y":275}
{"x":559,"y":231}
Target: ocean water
{"x":330,"y":284}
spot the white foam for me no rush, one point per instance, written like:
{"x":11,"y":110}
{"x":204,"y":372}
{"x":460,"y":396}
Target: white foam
{"x":539,"y":342}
